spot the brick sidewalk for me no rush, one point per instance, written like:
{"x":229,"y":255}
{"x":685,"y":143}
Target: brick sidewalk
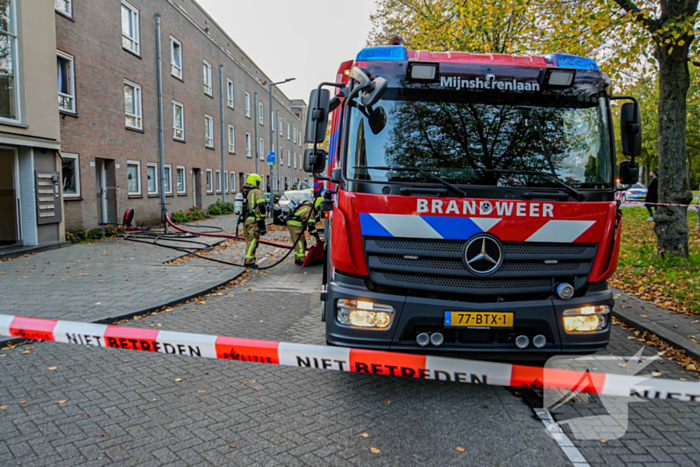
{"x":107,"y":279}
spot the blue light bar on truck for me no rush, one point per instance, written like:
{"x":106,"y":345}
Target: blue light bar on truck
{"x":392,"y":52}
{"x":572,"y":61}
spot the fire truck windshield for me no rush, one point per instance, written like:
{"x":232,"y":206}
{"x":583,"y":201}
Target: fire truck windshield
{"x":478,"y":139}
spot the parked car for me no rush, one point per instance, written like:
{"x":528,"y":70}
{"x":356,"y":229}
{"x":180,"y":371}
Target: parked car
{"x":298,"y":195}
{"x":636,"y":192}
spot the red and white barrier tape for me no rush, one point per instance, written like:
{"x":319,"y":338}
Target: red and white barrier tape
{"x":643,"y":203}
{"x":344,"y":359}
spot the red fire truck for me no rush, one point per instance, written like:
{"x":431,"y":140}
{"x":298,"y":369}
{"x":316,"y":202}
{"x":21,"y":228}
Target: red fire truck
{"x":470,"y":201}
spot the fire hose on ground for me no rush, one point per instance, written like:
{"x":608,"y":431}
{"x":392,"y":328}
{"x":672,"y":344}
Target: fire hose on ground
{"x":153,"y":237}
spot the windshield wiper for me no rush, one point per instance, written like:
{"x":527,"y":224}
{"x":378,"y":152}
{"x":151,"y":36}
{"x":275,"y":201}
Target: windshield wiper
{"x":573,"y":192}
{"x":452,"y":187}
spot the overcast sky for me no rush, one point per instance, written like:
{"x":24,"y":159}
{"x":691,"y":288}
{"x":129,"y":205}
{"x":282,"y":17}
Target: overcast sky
{"x":303,"y":39}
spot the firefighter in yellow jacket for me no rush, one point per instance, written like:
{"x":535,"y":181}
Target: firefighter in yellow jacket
{"x":295,"y":224}
{"x":256,"y":212}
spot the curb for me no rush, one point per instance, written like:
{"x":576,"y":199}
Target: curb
{"x":131,"y":314}
{"x":676,"y":340}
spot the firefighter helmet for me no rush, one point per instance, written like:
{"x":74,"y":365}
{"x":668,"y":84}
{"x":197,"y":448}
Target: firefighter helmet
{"x":254,"y":179}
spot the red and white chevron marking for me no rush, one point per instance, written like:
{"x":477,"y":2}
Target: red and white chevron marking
{"x":344,"y":359}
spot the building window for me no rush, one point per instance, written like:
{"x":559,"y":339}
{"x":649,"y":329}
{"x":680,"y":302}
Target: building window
{"x":66,"y":82}
{"x":261,"y":113}
{"x":288,"y":132}
{"x":261,"y":148}
{"x":248,"y":145}
{"x":9,"y":92}
{"x":273,"y":147}
{"x":130,"y":28}
{"x":181,"y":180}
{"x":289,"y":159}
{"x":71,"y":175}
{"x":225,"y":181}
{"x":132,"y":105}
{"x":232,"y":185}
{"x":207,"y":79}
{"x":64,"y":6}
{"x":272,"y":120}
{"x":168,"y":179}
{"x":294,"y":136}
{"x":210,"y":186}
{"x":175,"y":57}
{"x":208,"y":131}
{"x":229,"y":93}
{"x":218,"y":181}
{"x":281,"y":127}
{"x":295,"y":161}
{"x":247,"y":105}
{"x":178,"y":121}
{"x":152,"y":176}
{"x":133,"y":177}
{"x":231,"y":139}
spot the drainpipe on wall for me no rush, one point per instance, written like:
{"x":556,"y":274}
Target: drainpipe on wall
{"x":255,"y":143}
{"x":161,"y":143}
{"x":277,"y":148}
{"x":224,"y":183}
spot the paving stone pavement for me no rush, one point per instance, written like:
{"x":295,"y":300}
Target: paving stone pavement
{"x":126,"y":408}
{"x":89,"y":282}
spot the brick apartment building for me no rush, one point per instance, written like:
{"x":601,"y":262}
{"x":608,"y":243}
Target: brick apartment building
{"x":108,"y":101}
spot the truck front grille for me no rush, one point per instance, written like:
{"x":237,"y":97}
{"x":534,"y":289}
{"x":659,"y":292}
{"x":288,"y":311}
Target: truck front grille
{"x":438,"y":266}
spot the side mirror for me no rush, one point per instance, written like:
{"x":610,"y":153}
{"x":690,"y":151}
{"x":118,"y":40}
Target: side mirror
{"x":630,"y":131}
{"x":335,"y":175}
{"x":377,"y":89}
{"x":317,"y":117}
{"x":629,"y":172}
{"x":315,"y":162}
{"x":377,"y":120}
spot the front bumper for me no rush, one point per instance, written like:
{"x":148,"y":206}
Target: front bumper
{"x":416,"y":314}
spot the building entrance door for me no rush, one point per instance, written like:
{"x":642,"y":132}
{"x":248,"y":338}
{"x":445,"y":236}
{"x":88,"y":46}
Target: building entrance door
{"x":10,"y":233}
{"x":106,"y":191}
{"x":197,"y":187}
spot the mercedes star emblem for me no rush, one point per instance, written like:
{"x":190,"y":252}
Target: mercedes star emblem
{"x":483,"y":254}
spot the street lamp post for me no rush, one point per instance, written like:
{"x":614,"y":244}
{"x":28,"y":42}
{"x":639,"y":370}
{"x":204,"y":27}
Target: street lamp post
{"x":272,"y":168}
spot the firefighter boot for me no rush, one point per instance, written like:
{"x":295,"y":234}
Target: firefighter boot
{"x":251,"y":232}
{"x":300,"y":247}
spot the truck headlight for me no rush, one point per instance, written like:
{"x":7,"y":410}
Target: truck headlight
{"x":364,"y":314}
{"x":586,"y":319}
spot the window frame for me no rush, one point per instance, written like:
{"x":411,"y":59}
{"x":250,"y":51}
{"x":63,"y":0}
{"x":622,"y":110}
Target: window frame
{"x":230,"y":94}
{"x":261,"y":114}
{"x":272,"y":120}
{"x":280,"y":125}
{"x":175,"y":129}
{"x":289,"y":158}
{"x":78,"y":192}
{"x":176,"y":71}
{"x":69,"y":13}
{"x":61,"y":95}
{"x":207,"y":73}
{"x":231,"y":139}
{"x":138,"y":178}
{"x":232,"y":182}
{"x":13,"y":37}
{"x":248,"y":145}
{"x":168,"y":169}
{"x":134,"y":13}
{"x":139,"y":116}
{"x":261,"y":148}
{"x":208,"y":125}
{"x":184,"y":179}
{"x":209,"y":179}
{"x":157,"y":178}
{"x":247,"y":104}
{"x":224,"y":180}
{"x":289,"y":129}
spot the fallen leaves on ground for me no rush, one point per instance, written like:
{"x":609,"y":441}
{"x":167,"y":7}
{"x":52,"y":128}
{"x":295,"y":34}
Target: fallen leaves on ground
{"x":178,"y":380}
{"x":460,"y":449}
{"x":3,"y":407}
{"x":375,"y":450}
{"x":365,"y":435}
{"x":62,"y":402}
{"x":669,"y":283}
{"x":52,"y":368}
{"x":386,"y":401}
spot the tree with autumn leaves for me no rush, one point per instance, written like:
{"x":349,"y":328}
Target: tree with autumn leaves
{"x":629,"y":39}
